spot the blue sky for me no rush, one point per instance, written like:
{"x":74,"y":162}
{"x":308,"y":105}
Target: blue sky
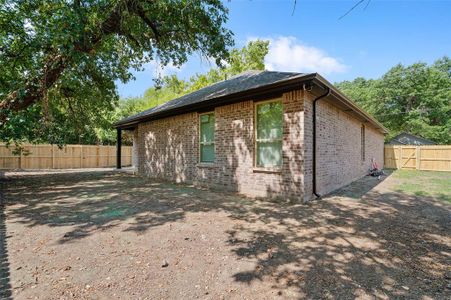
{"x":367,"y":42}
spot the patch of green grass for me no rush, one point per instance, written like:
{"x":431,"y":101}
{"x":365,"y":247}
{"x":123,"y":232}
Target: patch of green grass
{"x":406,"y":174}
{"x":424,"y":183}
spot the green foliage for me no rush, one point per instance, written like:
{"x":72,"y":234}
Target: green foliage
{"x":81,"y":111}
{"x":59,"y":59}
{"x":414,"y":99}
{"x":250,"y":57}
{"x":66,"y":123}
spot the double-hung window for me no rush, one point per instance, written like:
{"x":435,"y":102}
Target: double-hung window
{"x":268,"y":134}
{"x":207,"y":137}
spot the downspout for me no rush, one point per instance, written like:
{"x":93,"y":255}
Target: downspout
{"x":314,"y":139}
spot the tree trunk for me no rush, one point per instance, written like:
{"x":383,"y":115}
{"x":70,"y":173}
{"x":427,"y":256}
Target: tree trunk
{"x":33,"y":91}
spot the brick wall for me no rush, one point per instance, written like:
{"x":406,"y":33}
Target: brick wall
{"x":339,"y":159}
{"x":168,"y":149}
{"x":135,"y":155}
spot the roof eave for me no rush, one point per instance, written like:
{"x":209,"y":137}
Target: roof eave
{"x":349,"y":103}
{"x":279,"y":86}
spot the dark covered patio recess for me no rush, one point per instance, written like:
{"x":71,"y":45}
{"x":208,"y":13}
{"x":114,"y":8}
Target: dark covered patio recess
{"x":119,"y":145}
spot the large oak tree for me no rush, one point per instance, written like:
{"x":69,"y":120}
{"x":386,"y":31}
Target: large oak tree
{"x":74,"y":51}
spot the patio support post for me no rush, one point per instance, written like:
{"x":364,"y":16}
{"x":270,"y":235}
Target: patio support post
{"x":118,"y":148}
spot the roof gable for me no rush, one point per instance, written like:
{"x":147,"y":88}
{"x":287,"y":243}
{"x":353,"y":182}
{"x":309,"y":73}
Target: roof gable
{"x":405,"y":138}
{"x":239,"y":83}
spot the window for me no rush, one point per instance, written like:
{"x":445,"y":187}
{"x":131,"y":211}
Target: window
{"x":268,"y":134}
{"x":207,"y":137}
{"x":362,"y":142}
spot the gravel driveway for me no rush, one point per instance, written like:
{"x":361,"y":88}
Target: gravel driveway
{"x":108,"y":235}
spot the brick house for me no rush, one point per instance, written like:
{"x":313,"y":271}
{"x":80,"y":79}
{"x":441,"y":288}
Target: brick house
{"x":255,"y":134}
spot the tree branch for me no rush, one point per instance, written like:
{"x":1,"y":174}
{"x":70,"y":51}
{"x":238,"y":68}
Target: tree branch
{"x":141,"y":13}
{"x":352,"y":8}
{"x":54,"y":67}
{"x":55,"y":64}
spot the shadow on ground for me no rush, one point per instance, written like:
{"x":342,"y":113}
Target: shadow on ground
{"x":362,"y":240}
{"x":5,"y":285}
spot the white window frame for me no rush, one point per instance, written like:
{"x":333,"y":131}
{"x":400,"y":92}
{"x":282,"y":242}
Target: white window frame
{"x":201,"y":143}
{"x":257,"y":140}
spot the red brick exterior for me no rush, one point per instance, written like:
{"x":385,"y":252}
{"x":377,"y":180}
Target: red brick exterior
{"x":135,"y":162}
{"x":168,"y":149}
{"x":338,"y":147}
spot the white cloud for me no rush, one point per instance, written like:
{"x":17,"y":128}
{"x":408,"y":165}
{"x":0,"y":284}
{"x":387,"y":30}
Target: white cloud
{"x":156,"y":69}
{"x":286,"y":53}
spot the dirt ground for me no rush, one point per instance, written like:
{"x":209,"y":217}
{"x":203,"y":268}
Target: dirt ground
{"x":108,"y":235}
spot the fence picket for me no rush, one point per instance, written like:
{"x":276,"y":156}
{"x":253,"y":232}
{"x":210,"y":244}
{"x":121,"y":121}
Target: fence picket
{"x":427,"y":157}
{"x":50,"y":156}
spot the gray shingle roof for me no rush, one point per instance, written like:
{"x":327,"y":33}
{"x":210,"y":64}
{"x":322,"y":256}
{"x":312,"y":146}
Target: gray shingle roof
{"x":243,"y":86}
{"x":240,"y":83}
{"x":405,"y":138}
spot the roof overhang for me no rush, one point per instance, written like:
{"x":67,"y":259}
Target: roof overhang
{"x":348,"y":105}
{"x":262,"y":92}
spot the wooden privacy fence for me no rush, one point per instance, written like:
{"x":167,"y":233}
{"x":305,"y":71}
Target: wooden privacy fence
{"x":428,"y":158}
{"x":69,"y":157}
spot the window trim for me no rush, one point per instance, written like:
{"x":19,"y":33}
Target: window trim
{"x":200,"y":143}
{"x":272,"y":169}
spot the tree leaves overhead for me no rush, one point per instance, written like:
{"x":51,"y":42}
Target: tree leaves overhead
{"x":52,"y":46}
{"x":59,"y":61}
{"x":250,"y":57}
{"x":81,"y":111}
{"x":415,"y":99}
